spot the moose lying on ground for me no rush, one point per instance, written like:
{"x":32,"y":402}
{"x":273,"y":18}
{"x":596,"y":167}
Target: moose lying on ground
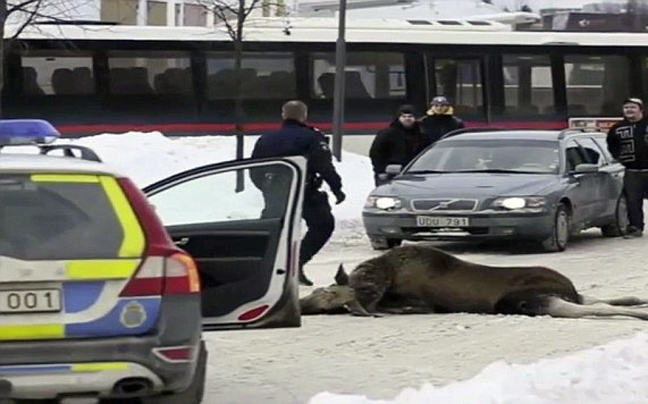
{"x":422,"y":279}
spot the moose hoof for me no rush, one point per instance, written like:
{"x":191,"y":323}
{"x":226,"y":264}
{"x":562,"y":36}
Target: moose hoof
{"x":357,"y":310}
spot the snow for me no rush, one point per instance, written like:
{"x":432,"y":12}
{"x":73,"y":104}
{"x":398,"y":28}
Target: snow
{"x":615,"y":372}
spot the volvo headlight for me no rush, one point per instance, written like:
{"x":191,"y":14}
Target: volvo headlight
{"x":532,"y":202}
{"x":383,"y":202}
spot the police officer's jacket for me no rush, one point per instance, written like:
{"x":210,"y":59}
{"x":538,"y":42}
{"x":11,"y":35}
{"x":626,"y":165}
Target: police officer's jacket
{"x":628,"y":142}
{"x":297,"y":139}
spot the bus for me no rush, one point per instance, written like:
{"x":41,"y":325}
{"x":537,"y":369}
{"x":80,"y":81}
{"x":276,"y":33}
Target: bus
{"x":91,"y":79}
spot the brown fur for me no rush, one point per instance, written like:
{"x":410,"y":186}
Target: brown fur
{"x":422,"y":279}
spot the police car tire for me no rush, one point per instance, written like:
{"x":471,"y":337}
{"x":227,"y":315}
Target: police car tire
{"x":196,"y":391}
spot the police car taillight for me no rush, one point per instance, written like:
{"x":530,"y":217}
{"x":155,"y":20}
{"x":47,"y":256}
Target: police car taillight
{"x":20,"y":132}
{"x":173,"y":275}
{"x":166,"y":269}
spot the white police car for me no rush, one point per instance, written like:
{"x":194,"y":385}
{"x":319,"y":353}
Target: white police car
{"x":104,"y":296}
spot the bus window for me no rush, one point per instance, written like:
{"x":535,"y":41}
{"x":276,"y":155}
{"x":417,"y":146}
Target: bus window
{"x":150,"y":73}
{"x":57,"y":75}
{"x":528,"y":86}
{"x":596,"y":85}
{"x":369,"y":75}
{"x":461,"y":81}
{"x":265,"y":75}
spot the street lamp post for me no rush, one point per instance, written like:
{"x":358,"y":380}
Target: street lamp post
{"x":338,"y":95}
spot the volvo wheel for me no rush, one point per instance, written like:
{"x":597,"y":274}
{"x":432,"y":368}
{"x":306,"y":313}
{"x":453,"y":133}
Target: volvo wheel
{"x":560,"y":231}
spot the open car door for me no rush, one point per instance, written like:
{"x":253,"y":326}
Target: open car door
{"x":244,"y":241}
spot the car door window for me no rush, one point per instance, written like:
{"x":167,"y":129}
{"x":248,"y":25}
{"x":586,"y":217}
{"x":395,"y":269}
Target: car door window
{"x":217,"y":198}
{"x":574,"y":155}
{"x":593,"y":155}
{"x":602,"y":145}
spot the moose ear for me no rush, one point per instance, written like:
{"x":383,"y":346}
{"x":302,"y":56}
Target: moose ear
{"x":341,"y":277}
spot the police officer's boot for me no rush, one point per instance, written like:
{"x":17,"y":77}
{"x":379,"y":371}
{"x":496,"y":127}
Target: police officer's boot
{"x":303,"y":279}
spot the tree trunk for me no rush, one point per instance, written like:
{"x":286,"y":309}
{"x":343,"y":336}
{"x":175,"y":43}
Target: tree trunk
{"x":3,"y":19}
{"x":238,"y":86}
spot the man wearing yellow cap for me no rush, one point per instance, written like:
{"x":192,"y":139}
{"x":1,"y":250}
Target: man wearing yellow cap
{"x":439,"y":119}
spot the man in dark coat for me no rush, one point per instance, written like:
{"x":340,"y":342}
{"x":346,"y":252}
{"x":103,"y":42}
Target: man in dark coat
{"x":440,"y":119}
{"x":627,"y":141}
{"x":399,"y":143}
{"x":295,"y":138}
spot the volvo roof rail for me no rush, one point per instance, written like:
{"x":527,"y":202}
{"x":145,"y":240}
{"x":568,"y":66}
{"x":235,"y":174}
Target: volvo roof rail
{"x":471,"y":130}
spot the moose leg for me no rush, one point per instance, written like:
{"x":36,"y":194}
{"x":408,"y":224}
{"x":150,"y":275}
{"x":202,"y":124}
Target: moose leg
{"x":408,"y":310}
{"x":621,"y":301}
{"x":394,"y":304}
{"x":366,"y":300}
{"x":557,"y":307}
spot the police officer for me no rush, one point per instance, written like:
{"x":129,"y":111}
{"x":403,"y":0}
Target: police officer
{"x":627,"y":141}
{"x":297,"y":138}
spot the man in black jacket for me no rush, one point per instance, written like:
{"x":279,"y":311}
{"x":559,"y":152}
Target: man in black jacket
{"x":399,"y":143}
{"x":627,"y":141}
{"x":296,"y":138}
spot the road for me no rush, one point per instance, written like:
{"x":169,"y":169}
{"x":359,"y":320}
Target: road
{"x":379,"y":357}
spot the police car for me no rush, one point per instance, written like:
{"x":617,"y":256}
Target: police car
{"x":106,"y":289}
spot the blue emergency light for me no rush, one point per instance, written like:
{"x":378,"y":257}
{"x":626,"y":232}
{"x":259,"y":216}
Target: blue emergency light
{"x":16,"y":132}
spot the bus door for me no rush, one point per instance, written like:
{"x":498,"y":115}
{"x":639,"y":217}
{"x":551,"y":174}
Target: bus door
{"x":460,"y":79}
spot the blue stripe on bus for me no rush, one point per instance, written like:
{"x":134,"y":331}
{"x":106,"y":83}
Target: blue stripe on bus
{"x":79,"y":296}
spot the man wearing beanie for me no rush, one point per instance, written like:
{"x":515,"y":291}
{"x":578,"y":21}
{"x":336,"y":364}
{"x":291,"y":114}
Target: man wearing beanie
{"x":627,"y":141}
{"x":398,"y":143}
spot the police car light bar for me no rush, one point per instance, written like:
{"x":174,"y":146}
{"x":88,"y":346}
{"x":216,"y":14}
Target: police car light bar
{"x":16,"y":132}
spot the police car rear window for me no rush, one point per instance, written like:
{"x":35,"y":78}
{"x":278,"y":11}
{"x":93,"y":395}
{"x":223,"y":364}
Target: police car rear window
{"x":56,"y":220}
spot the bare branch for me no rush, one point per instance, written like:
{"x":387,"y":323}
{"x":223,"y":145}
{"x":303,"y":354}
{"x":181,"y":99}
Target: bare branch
{"x":232,"y":14}
{"x":31,"y":14}
{"x":252,"y":7}
{"x":21,"y":7}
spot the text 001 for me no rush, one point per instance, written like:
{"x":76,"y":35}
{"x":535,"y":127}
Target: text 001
{"x":25,"y":301}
